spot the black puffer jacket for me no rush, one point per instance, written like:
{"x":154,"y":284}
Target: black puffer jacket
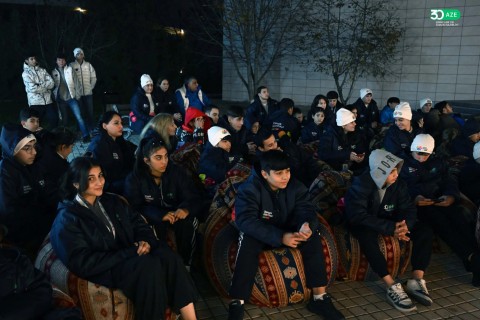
{"x":83,"y":243}
{"x":399,"y":141}
{"x":266,"y":215}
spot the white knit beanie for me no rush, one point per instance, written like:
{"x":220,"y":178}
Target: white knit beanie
{"x":403,"y":110}
{"x":77,"y":51}
{"x":344,"y":117}
{"x":217,"y":134}
{"x":476,"y":151}
{"x":145,"y":79}
{"x":423,"y":143}
{"x":425,"y":101}
{"x":364,"y":92}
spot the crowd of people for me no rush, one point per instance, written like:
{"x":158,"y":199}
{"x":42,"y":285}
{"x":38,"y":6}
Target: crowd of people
{"x":109,"y":212}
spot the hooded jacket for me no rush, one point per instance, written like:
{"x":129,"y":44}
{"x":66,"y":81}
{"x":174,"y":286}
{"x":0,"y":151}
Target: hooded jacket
{"x":215,"y":163}
{"x":281,"y":120}
{"x":188,"y":133}
{"x":87,"y":248}
{"x":369,"y":203}
{"x":86,"y":76}
{"x":23,"y":202}
{"x":38,"y":85}
{"x":266,"y":215}
{"x":239,"y":138}
{"x":154,"y":202}
{"x":140,"y":106}
{"x":70,"y":79}
{"x":399,"y":141}
{"x":312,"y":132}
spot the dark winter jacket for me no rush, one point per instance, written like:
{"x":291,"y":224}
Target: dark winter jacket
{"x":366,"y":115}
{"x":463,"y":146}
{"x":116,"y":157}
{"x":364,"y":208}
{"x":257,"y":112}
{"x":239,"y":138}
{"x":87,"y":248}
{"x":430,"y":179}
{"x":335,"y":146}
{"x":266,"y":215}
{"x":140,"y":106}
{"x":167,"y":101}
{"x":399,"y":141}
{"x":281,"y":120}
{"x":155,"y":201}
{"x":469,"y":180}
{"x":215,"y":163}
{"x":52,"y":167}
{"x":312,"y":132}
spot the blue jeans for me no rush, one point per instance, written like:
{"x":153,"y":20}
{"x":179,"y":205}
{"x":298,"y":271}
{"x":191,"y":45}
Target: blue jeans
{"x":86,"y":102}
{"x":75,"y":108}
{"x":48,"y":113}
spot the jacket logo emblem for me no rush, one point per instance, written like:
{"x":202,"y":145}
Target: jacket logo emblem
{"x":411,"y":169}
{"x":115,"y":156}
{"x":27,"y":189}
{"x":148,"y":198}
{"x":267,"y":215}
{"x":389,"y":207}
{"x":340,"y":148}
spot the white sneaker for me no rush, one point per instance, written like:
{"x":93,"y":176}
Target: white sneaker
{"x":399,"y":299}
{"x":417,"y":289}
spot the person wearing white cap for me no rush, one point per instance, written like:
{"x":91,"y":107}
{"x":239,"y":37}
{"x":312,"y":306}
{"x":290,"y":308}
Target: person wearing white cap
{"x":378,"y":203}
{"x":87,"y":78}
{"x":144,"y":104}
{"x":368,"y":115}
{"x":436,"y":193}
{"x":341,"y":146}
{"x":425,"y":105}
{"x":216,"y":158}
{"x":399,"y":137}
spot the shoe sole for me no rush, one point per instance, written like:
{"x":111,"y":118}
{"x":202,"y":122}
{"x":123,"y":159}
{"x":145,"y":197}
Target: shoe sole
{"x":413,"y":308}
{"x":418,"y":298}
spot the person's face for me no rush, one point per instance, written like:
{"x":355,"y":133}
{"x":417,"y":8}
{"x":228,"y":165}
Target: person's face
{"x":64,"y":150}
{"x":318,"y":117}
{"x":96,"y":181}
{"x":448,"y":109}
{"x":349,"y":127}
{"x":392,"y":177}
{"x":80,"y":56}
{"x":426,"y":107}
{"x":332,"y":103}
{"x":420,"y":156}
{"x":269,"y":144}
{"x":114,"y":127}
{"x":164,"y":85}
{"x":61,"y":62}
{"x":214,"y":114}
{"x":172,"y":128}
{"x":26,"y":155}
{"x":148,"y":88}
{"x":277,"y":179}
{"x":157,"y":161}
{"x":31,"y":61}
{"x":322,"y":103}
{"x":299,"y":117}
{"x":264,"y":94}
{"x":225,"y":145}
{"x":355,"y":113}
{"x":255,"y":127}
{"x":475,"y":137}
{"x":403,"y":124}
{"x":236,"y":122}
{"x":368,"y":98}
{"x":31,"y":124}
{"x":193,"y":85}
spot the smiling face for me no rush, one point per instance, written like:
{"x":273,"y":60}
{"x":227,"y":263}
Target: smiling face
{"x":349,"y":127}
{"x":96,"y":181}
{"x":158,"y":162}
{"x":403,"y":124}
{"x":114,"y":127}
{"x":277,"y":179}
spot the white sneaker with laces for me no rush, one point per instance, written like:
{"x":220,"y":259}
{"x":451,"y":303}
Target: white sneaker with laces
{"x":417,"y":289}
{"x":397,"y":297}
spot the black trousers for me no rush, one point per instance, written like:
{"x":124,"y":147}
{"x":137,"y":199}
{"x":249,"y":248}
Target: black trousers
{"x":454,"y":224}
{"x":247,"y":264}
{"x":154,"y":281}
{"x":421,"y":236}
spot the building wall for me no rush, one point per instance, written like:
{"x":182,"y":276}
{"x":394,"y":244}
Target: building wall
{"x":440,"y":62}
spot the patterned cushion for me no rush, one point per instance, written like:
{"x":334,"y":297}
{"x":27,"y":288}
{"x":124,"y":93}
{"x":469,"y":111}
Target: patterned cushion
{"x":354,"y":264}
{"x":95,"y":301}
{"x":280,"y":279}
{"x":187,"y":156}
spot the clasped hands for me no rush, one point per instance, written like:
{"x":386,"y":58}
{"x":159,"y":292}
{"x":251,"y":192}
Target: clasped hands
{"x":293,"y":239}
{"x":401,"y":231}
{"x":174,"y":216}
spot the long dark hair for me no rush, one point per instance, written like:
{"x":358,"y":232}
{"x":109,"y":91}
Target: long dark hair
{"x":77,"y":173}
{"x":106,"y":117}
{"x":146,"y":148}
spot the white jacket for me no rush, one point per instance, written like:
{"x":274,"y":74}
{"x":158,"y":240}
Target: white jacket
{"x":38,"y":85}
{"x":86,"y":76}
{"x":69,"y":79}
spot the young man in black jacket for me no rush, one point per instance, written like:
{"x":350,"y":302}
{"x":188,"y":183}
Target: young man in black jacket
{"x":273,"y":210}
{"x":378,"y":203}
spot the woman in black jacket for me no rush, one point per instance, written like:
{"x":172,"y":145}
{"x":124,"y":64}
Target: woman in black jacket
{"x":115,"y":154}
{"x":165,"y":195}
{"x":100,"y":239}
{"x":168,"y":102}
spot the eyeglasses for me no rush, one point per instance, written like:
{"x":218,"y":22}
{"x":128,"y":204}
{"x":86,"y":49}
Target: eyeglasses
{"x":29,"y":148}
{"x":423,"y":153}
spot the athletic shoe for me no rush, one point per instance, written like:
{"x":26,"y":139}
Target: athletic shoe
{"x":325,"y":308}
{"x":399,"y":299}
{"x":417,"y":289}
{"x":235,"y":310}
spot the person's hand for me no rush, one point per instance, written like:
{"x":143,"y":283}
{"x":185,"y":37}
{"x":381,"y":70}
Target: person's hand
{"x":292,"y":239}
{"x":181,"y":214}
{"x":421,"y":201}
{"x":420,"y":123}
{"x":356,"y":157}
{"x":305,"y":232}
{"x":177,"y":116}
{"x":374,"y":124}
{"x":170,"y":217}
{"x":143,"y":247}
{"x":446,"y":201}
{"x":401,"y":231}
{"x":251,"y":148}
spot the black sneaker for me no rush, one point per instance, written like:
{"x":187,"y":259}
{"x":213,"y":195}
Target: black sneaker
{"x":397,"y":297}
{"x":325,"y":308}
{"x":417,"y":289}
{"x":235,"y":310}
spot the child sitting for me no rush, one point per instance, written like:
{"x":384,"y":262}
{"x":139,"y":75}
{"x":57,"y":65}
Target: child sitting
{"x":314,"y":130}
